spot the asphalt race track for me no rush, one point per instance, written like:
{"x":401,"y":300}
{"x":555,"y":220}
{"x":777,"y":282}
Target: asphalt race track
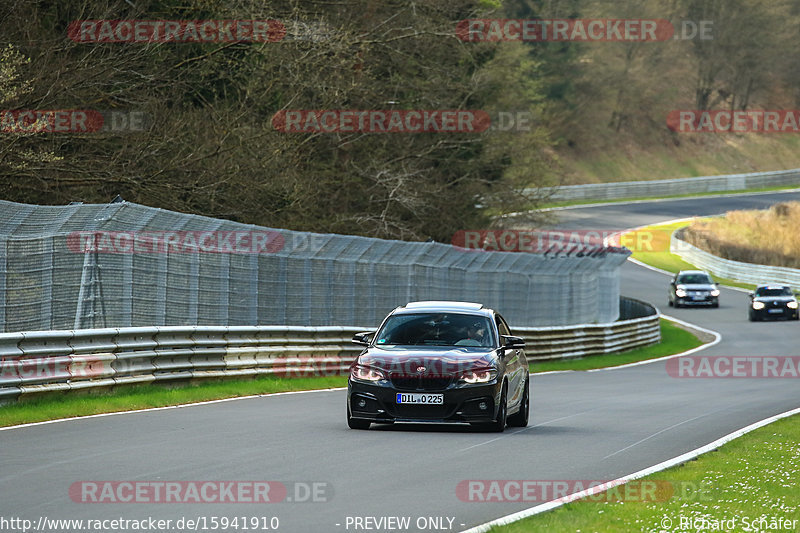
{"x":585,"y":426}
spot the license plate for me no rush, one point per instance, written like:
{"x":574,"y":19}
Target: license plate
{"x":420,"y":399}
{"x":698,"y":298}
{"x":775,"y":311}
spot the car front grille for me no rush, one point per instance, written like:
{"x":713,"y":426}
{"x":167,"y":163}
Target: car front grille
{"x":421,"y":382}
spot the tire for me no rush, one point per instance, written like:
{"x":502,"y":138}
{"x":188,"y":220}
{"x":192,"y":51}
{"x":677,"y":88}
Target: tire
{"x":499,"y":425}
{"x":669,"y":303}
{"x":520,"y":418}
{"x":356,"y":423}
{"x":715,"y":304}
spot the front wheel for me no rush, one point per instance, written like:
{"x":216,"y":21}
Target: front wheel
{"x":499,"y":425}
{"x":356,"y":423}
{"x":520,"y":418}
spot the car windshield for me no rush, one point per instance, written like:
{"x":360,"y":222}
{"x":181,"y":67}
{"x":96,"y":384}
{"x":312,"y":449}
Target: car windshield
{"x":694,"y":279}
{"x":773,"y":291}
{"x":436,"y":329}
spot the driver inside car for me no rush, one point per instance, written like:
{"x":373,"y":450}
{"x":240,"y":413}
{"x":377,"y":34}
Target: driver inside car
{"x":475,"y":335}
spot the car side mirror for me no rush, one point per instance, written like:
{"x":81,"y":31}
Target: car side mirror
{"x":510,"y":341}
{"x":751,"y":294}
{"x":363,"y":338}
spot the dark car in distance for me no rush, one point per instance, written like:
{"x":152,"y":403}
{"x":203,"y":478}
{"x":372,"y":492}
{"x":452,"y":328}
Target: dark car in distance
{"x":440,"y":362}
{"x":693,"y":287}
{"x":772,"y":301}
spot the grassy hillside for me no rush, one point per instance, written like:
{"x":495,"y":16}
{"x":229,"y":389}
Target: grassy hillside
{"x":699,"y":155}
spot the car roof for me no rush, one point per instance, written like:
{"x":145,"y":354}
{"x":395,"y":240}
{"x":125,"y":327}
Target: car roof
{"x":693,"y":272}
{"x":444,"y":306}
{"x":773,"y":286}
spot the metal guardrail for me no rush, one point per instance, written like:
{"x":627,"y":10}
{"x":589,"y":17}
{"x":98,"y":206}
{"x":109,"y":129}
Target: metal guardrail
{"x":674,"y":187}
{"x":640,"y":327}
{"x":735,"y":270}
{"x":43,"y":361}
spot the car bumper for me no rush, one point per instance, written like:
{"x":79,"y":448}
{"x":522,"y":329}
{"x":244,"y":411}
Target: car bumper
{"x":709,"y":300}
{"x":377,"y":403}
{"x":762,"y":314}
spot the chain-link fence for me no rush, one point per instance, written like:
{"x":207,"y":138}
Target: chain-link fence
{"x":123,"y":264}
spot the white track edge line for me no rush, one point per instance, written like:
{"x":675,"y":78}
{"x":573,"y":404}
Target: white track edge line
{"x":538,"y":509}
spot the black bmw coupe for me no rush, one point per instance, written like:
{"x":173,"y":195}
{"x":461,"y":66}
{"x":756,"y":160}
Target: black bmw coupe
{"x":440,"y":362}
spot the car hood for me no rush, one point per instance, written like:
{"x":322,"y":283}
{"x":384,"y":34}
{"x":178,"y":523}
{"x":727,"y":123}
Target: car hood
{"x":449,"y":360}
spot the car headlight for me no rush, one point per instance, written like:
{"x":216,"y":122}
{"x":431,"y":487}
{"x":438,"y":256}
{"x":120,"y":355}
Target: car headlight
{"x":365,"y":373}
{"x":680,"y":293}
{"x":792,"y":305}
{"x":479,"y":376}
{"x":715,"y":292}
{"x":758,"y":305}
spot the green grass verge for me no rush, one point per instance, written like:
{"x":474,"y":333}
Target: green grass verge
{"x":754,"y":476}
{"x":572,"y":203}
{"x":50,"y":406}
{"x":656,"y":252}
{"x":673,"y":340}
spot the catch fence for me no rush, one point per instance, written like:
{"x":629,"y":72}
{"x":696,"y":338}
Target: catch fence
{"x":126,"y":265}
